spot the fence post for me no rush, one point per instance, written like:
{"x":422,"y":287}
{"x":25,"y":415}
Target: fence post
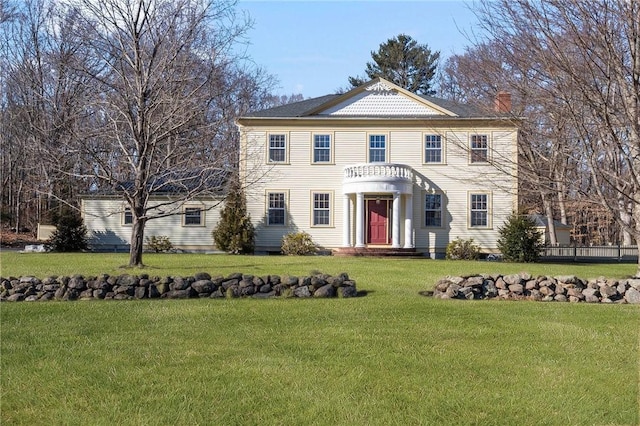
{"x":575,"y":252}
{"x":619,"y":253}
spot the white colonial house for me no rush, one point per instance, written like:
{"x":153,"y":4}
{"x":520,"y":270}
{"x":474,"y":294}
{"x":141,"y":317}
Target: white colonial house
{"x":380,"y":168}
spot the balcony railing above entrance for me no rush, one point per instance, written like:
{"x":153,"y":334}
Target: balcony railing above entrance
{"x":378,"y":172}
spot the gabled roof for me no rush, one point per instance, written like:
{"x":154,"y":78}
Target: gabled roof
{"x":541,"y":221}
{"x":377,"y":98}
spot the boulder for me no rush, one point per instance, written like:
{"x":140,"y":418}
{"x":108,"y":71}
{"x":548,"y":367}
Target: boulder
{"x":632,"y":296}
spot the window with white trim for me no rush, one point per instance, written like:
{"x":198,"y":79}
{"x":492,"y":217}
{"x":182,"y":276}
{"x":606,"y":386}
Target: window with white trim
{"x":276,"y":205}
{"x":321,"y":209}
{"x":377,"y":148}
{"x":433,"y":210}
{"x":321,"y":148}
{"x":479,"y":148}
{"x":127,"y":216}
{"x":193,"y":216}
{"x":277,"y":148}
{"x":479,"y":210}
{"x":432,"y":149}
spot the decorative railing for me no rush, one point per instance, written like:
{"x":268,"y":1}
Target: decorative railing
{"x":374,"y":171}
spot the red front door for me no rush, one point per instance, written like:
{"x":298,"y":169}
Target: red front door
{"x":377,"y":214}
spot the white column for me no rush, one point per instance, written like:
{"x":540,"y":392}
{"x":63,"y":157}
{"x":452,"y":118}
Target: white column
{"x":346,"y":221}
{"x":359,"y":219}
{"x":395,"y":230}
{"x":408,"y":221}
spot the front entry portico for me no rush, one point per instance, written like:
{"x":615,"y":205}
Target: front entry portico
{"x":382,"y":194}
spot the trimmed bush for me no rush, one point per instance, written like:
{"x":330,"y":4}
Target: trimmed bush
{"x":520,"y":240}
{"x":159,"y":244}
{"x":460,"y":249}
{"x":298,"y":244}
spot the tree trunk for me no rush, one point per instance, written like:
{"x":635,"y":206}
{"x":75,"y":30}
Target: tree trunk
{"x":137,"y":242}
{"x":551,"y":229}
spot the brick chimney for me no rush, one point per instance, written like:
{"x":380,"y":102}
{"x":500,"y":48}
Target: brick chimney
{"x":503,"y":102}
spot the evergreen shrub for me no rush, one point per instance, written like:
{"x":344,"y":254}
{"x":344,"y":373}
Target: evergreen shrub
{"x":520,"y":240}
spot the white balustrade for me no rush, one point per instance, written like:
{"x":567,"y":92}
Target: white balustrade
{"x":369,"y":171}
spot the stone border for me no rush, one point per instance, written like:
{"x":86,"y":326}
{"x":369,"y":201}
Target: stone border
{"x":200,"y":285}
{"x":523,"y":286}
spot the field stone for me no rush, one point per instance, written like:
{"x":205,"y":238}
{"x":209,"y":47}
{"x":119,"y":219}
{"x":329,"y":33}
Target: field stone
{"x":632,"y":296}
{"x":302,"y":292}
{"x":327,"y":290}
{"x":203,"y":286}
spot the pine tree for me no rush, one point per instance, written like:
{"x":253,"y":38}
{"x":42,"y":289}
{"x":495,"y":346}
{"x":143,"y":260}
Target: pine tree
{"x":70,"y":234}
{"x":520,"y":240}
{"x":234,"y":233}
{"x":402,"y":61}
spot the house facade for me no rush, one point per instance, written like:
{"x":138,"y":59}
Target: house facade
{"x":379,"y":168}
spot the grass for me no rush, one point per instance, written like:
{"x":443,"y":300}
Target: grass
{"x":390,"y":357}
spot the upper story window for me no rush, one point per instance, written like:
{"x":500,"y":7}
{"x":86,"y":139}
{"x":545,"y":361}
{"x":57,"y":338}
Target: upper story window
{"x":377,"y":148}
{"x":432,"y":149}
{"x":276,"y":208}
{"x":127,"y":216}
{"x":321,"y":148}
{"x":321,"y":209}
{"x":479,"y":212}
{"x":433,"y":210}
{"x":479,"y":148}
{"x":277,"y":148}
{"x":193,"y":216}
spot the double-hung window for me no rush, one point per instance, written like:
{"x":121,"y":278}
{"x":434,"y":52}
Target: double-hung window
{"x":321,"y":209}
{"x":433,"y":210}
{"x":276,"y":204}
{"x":432,"y":149}
{"x":277,"y":148}
{"x":193,"y":216}
{"x":479,"y":148}
{"x":321,"y":148}
{"x":479,"y":213}
{"x":377,"y":148}
{"x":127,"y":216}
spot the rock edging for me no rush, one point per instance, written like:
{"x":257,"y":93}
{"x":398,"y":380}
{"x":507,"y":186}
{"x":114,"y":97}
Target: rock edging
{"x":523,"y":286}
{"x":200,"y":285}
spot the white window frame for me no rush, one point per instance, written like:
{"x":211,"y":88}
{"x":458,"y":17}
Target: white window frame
{"x":384,"y":148}
{"x":479,"y":148}
{"x":477,"y":206}
{"x":275,"y":138}
{"x":440,"y":210}
{"x":269,"y":208}
{"x":315,"y":149}
{"x":425,"y":158}
{"x":328,"y":208}
{"x":185,"y":216}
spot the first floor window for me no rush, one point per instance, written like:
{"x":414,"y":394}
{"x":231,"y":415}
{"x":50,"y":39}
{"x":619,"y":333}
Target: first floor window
{"x":433,"y":210}
{"x":479,"y":148}
{"x":377,"y":148}
{"x":193,"y":216}
{"x":321,"y":209}
{"x":433,"y":149}
{"x":321,"y":148}
{"x":127,"y":216}
{"x":276,"y":208}
{"x":479,"y":210}
{"x":277,"y":148}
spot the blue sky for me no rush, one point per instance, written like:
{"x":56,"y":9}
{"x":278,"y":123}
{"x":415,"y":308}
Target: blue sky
{"x":312,"y":47}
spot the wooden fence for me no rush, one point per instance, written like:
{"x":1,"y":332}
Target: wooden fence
{"x":590,"y":254}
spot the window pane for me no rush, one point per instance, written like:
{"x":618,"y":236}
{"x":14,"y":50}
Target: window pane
{"x":377,"y":148}
{"x":479,"y":148}
{"x":275,"y":212}
{"x":128,"y":217}
{"x":433,"y":210}
{"x":321,"y":209}
{"x":322,"y":149}
{"x":479,"y":210}
{"x":192,"y":216}
{"x":277,"y":148}
{"x":433,"y":149}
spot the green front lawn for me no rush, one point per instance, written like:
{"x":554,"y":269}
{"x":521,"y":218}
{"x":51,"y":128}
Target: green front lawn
{"x":389,"y":357}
